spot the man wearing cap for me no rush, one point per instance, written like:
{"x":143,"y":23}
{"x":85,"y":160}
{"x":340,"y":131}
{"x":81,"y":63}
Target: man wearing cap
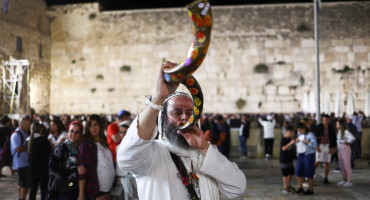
{"x":123,"y":115}
{"x":203,"y":170}
{"x":326,"y":143}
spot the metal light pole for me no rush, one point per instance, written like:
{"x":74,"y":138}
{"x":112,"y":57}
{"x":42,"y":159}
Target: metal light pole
{"x":316,"y":7}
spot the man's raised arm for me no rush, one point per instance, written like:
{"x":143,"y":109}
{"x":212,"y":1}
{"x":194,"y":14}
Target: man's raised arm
{"x":147,"y":118}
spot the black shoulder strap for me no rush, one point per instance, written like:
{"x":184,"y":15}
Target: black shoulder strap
{"x":184,"y":173}
{"x":22,"y":141}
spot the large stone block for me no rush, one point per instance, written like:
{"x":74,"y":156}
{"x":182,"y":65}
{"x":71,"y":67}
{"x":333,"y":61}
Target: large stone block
{"x":351,"y":57}
{"x":307,"y":43}
{"x":361,"y":56}
{"x":359,"y":48}
{"x":300,"y":67}
{"x":342,"y":49}
{"x":270,"y":89}
{"x":283,"y":90}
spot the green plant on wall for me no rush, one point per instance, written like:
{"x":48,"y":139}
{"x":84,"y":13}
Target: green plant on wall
{"x":99,"y":76}
{"x":261,"y":68}
{"x":73,"y":62}
{"x":301,"y":80}
{"x":345,"y":70}
{"x":125,"y":68}
{"x":259,"y":104}
{"x":303,"y":27}
{"x":92,"y":16}
{"x":240,"y":103}
{"x":281,"y":62}
{"x":93,"y":90}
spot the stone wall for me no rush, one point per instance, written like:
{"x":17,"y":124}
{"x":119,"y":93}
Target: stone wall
{"x":27,"y":19}
{"x":105,"y":61}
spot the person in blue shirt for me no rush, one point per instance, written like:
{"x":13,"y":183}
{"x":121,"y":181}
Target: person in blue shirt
{"x":20,"y":159}
{"x":306,"y":149}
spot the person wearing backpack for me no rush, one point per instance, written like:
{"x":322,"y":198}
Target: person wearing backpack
{"x":20,"y":156}
{"x":5,"y":133}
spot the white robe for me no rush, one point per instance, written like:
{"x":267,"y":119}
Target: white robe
{"x":157,"y":176}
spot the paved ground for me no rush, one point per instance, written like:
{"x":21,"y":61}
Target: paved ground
{"x":264,"y":183}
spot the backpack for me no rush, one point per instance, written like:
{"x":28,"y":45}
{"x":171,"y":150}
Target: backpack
{"x":5,"y":154}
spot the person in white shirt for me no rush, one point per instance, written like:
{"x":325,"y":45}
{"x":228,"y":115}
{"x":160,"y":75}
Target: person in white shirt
{"x":344,"y":138}
{"x":58,"y":132}
{"x":157,"y":176}
{"x":268,"y":134}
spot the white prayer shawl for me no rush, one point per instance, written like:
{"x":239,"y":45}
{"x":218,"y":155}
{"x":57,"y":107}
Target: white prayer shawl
{"x":158,"y":178}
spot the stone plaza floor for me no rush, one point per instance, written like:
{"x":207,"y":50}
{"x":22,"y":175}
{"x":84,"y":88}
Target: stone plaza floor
{"x":264,"y":183}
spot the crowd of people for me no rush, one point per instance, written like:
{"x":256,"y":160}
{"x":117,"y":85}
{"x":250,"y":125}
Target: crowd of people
{"x":67,"y":157}
{"x":313,"y":145}
{"x":75,"y":157}
{"x":148,"y":157}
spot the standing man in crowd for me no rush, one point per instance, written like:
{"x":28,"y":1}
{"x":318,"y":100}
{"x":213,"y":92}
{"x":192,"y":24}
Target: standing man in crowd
{"x":244,"y":135}
{"x":20,"y":159}
{"x":326,"y":143}
{"x":180,"y":164}
{"x":357,"y":120}
{"x":268,"y":134}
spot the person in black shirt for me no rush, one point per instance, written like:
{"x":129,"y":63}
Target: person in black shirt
{"x":5,"y":131}
{"x":39,"y":150}
{"x":287,"y":155}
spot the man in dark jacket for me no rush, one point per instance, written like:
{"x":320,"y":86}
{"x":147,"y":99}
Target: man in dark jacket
{"x":326,"y":143}
{"x":244,"y":135}
{"x":5,"y":131}
{"x":223,"y":127}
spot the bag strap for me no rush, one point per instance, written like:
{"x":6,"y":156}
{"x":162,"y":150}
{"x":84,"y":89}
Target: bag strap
{"x":184,"y":173}
{"x":22,"y":140}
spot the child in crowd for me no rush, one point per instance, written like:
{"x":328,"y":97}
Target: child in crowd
{"x":287,"y":155}
{"x":306,"y":149}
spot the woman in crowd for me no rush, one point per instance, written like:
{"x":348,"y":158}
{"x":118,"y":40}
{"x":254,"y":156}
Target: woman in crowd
{"x":57,"y":131}
{"x":39,"y":150}
{"x":113,"y":138}
{"x":96,"y":169}
{"x":63,"y":181}
{"x":306,"y":150}
{"x":344,"y":138}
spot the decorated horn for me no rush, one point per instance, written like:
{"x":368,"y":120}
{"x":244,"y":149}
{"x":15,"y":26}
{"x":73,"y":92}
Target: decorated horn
{"x":200,"y":13}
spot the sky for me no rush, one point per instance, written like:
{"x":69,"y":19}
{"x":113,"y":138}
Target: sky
{"x":142,"y":4}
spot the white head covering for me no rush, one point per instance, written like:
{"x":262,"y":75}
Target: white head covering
{"x":269,"y":117}
{"x":164,"y":140}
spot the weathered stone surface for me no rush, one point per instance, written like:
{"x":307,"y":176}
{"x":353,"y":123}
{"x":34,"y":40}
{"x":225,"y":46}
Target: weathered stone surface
{"x":27,"y":19}
{"x":81,"y":43}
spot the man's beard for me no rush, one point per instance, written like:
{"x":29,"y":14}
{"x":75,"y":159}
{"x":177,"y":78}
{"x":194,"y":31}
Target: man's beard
{"x":177,"y":140}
